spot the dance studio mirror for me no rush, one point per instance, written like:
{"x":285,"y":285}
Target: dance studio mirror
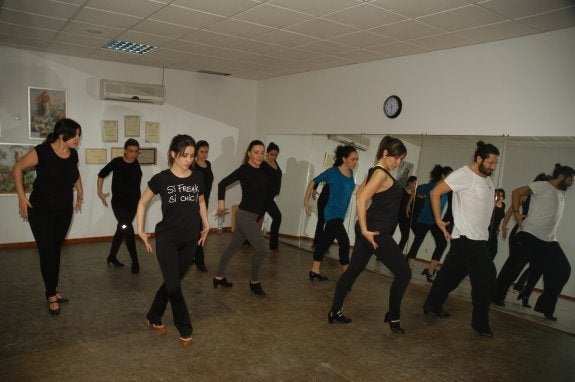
{"x":302,"y":157}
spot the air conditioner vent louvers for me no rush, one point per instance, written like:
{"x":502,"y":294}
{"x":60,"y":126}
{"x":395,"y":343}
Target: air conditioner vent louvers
{"x":131,"y":92}
{"x":360,"y":142}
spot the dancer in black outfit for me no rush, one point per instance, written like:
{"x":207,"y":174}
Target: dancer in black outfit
{"x":498,"y":215}
{"x":125,"y":196}
{"x":49,"y":210}
{"x":321,"y":203}
{"x":404,"y":212}
{"x":183,"y":214}
{"x":203,"y":165}
{"x":373,"y":233}
{"x":274,"y":173}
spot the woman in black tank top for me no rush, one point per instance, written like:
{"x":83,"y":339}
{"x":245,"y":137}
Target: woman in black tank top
{"x":373,"y":232}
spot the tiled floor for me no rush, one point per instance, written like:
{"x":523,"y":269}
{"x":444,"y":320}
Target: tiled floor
{"x":101,"y":334}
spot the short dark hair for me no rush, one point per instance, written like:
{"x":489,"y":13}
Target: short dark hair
{"x":202,"y":143}
{"x":272,"y":146}
{"x":131,"y":142}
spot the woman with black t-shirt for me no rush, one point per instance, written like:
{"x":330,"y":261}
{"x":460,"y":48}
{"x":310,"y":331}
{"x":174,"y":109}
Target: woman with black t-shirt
{"x":183,"y":214}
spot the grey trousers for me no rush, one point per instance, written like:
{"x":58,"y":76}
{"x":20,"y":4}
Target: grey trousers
{"x":246,"y":228}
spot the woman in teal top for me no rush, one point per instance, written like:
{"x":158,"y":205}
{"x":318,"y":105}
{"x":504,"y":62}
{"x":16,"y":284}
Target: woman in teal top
{"x":340,"y":180}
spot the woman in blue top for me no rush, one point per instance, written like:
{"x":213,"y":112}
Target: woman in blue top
{"x":339,"y":178}
{"x":426,"y":223}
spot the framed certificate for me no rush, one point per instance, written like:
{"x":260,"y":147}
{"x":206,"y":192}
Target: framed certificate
{"x":147,"y":155}
{"x":116,"y":152}
{"x":132,"y":125}
{"x":152,"y":132}
{"x":96,"y":156}
{"x":109,"y":131}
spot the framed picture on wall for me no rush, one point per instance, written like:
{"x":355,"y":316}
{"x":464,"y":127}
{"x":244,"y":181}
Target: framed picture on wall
{"x":45,"y":108}
{"x":147,"y":155}
{"x":9,"y":154}
{"x":116,"y":152}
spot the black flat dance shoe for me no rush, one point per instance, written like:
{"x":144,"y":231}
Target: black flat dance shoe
{"x":483,"y":332}
{"x":135,"y":268}
{"x":316,"y":276}
{"x":112,"y":260}
{"x":337,"y":317}
{"x":548,"y":316}
{"x":524,"y":300}
{"x":256,"y":288}
{"x":53,"y":312}
{"x":427,"y":275}
{"x":394,"y":325}
{"x":223,"y":282}
{"x":435,"y":312}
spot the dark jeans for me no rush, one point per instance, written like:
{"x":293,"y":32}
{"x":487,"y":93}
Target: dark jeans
{"x":466,"y":257}
{"x":549,"y":260}
{"x":174,"y":257}
{"x":420,"y":230}
{"x":124,"y":231}
{"x":390,"y":255}
{"x":49,"y":229}
{"x":276,"y":215}
{"x":334,"y":229}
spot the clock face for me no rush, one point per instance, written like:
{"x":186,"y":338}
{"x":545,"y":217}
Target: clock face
{"x":392,"y":106}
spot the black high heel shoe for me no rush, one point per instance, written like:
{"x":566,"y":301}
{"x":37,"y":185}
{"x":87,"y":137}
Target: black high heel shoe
{"x":427,"y":275}
{"x":53,"y":312}
{"x":316,"y":276}
{"x":256,"y":288}
{"x":338,"y":317}
{"x":394,"y":325}
{"x":112,"y":260}
{"x":524,"y":300}
{"x":223,"y":282}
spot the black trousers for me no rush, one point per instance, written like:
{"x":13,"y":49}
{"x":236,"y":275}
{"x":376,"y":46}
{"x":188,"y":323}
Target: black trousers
{"x":420,"y":230}
{"x":174,"y":258}
{"x":49,"y":229}
{"x":390,"y":255}
{"x":334,"y":229}
{"x":124,"y":230}
{"x":321,"y":203}
{"x":404,"y":225}
{"x":466,"y":257}
{"x":514,"y":264}
{"x":276,"y":215}
{"x":549,"y":260}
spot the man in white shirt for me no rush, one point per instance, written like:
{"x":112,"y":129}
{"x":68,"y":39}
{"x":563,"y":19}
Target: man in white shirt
{"x":537,"y":239}
{"x":473,"y":203}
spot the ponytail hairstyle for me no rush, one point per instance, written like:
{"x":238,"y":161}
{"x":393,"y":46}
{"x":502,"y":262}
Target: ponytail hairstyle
{"x":178,"y":145}
{"x":65,"y":127}
{"x":200,"y":144}
{"x":272,"y":146}
{"x":255,"y":142}
{"x":542,"y":176}
{"x":341,"y":152}
{"x":394,"y":146}
{"x":436,"y":173}
{"x":566,"y":171}
{"x":484,"y":150}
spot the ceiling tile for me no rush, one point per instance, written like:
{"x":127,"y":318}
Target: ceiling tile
{"x":31,"y":20}
{"x":399,"y":49}
{"x":271,"y":16}
{"x":232,"y":54}
{"x":257,"y":47}
{"x":361,"y":55}
{"x":46,"y":8}
{"x":145,"y":38}
{"x":110,"y":55}
{"x":190,"y":47}
{"x":26,"y":32}
{"x":321,"y":28}
{"x":442,"y":41}
{"x":327,"y":47}
{"x":184,"y":16}
{"x":138,"y":8}
{"x":522,"y":8}
{"x":81,"y":39}
{"x":162,"y":29}
{"x":363,"y":39}
{"x":462,"y":18}
{"x":225,"y":8}
{"x":297,"y":55}
{"x":71,"y":49}
{"x":494,"y":32}
{"x":329,"y":61}
{"x":109,"y":19}
{"x":563,"y":18}
{"x":239,"y":28}
{"x":271,"y":61}
{"x":365,"y":16}
{"x":285,"y":38}
{"x":407,"y":30}
{"x":418,"y":8}
{"x":315,"y":7}
{"x":92,"y":30}
{"x":212,"y":38}
{"x":22,"y":42}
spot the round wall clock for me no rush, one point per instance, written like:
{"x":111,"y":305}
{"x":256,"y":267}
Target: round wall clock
{"x":392,"y":106}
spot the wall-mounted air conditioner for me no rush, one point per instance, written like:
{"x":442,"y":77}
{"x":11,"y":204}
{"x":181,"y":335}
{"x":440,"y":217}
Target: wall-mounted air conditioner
{"x":360,"y":142}
{"x":131,"y":92}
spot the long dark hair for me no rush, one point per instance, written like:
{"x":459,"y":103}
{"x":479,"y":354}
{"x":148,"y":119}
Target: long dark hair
{"x":341,"y":152}
{"x":394,"y":146}
{"x":255,"y":142}
{"x":65,"y":127}
{"x":178,"y":145}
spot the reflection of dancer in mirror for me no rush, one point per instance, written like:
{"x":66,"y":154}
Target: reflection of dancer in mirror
{"x":125,"y":196}
{"x":255,"y":184}
{"x":498,"y":215}
{"x":425,"y":221}
{"x":321,"y":203}
{"x":537,"y":238}
{"x":404,"y":218}
{"x":183,"y":215}
{"x":204,"y":166}
{"x":49,"y":210}
{"x":472,"y":207}
{"x":274,"y":173}
{"x":373,"y":232}
{"x":341,"y":184}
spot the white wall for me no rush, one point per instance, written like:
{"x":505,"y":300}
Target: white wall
{"x":522,"y":86}
{"x":219,"y":110}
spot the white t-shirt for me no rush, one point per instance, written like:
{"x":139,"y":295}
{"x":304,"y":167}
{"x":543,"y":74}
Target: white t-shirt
{"x":545,"y":211}
{"x":473,"y":202}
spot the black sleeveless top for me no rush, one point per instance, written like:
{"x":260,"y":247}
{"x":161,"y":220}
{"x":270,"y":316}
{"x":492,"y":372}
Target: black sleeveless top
{"x":383,"y":212}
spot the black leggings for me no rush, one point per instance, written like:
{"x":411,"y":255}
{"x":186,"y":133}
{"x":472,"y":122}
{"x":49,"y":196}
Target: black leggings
{"x":390,"y":255}
{"x":420,"y":230}
{"x":334,"y":229}
{"x":124,"y":231}
{"x":404,"y":225}
{"x":49,"y":229}
{"x":276,"y":215}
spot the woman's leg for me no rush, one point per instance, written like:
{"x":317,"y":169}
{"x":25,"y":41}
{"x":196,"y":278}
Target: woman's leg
{"x":419,"y":231}
{"x":323,"y":245}
{"x":246,"y":222}
{"x":276,"y":215}
{"x":343,"y":242}
{"x":235,"y":244}
{"x":440,"y":245}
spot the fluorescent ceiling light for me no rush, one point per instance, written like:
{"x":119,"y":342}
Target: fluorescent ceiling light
{"x":129,"y":47}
